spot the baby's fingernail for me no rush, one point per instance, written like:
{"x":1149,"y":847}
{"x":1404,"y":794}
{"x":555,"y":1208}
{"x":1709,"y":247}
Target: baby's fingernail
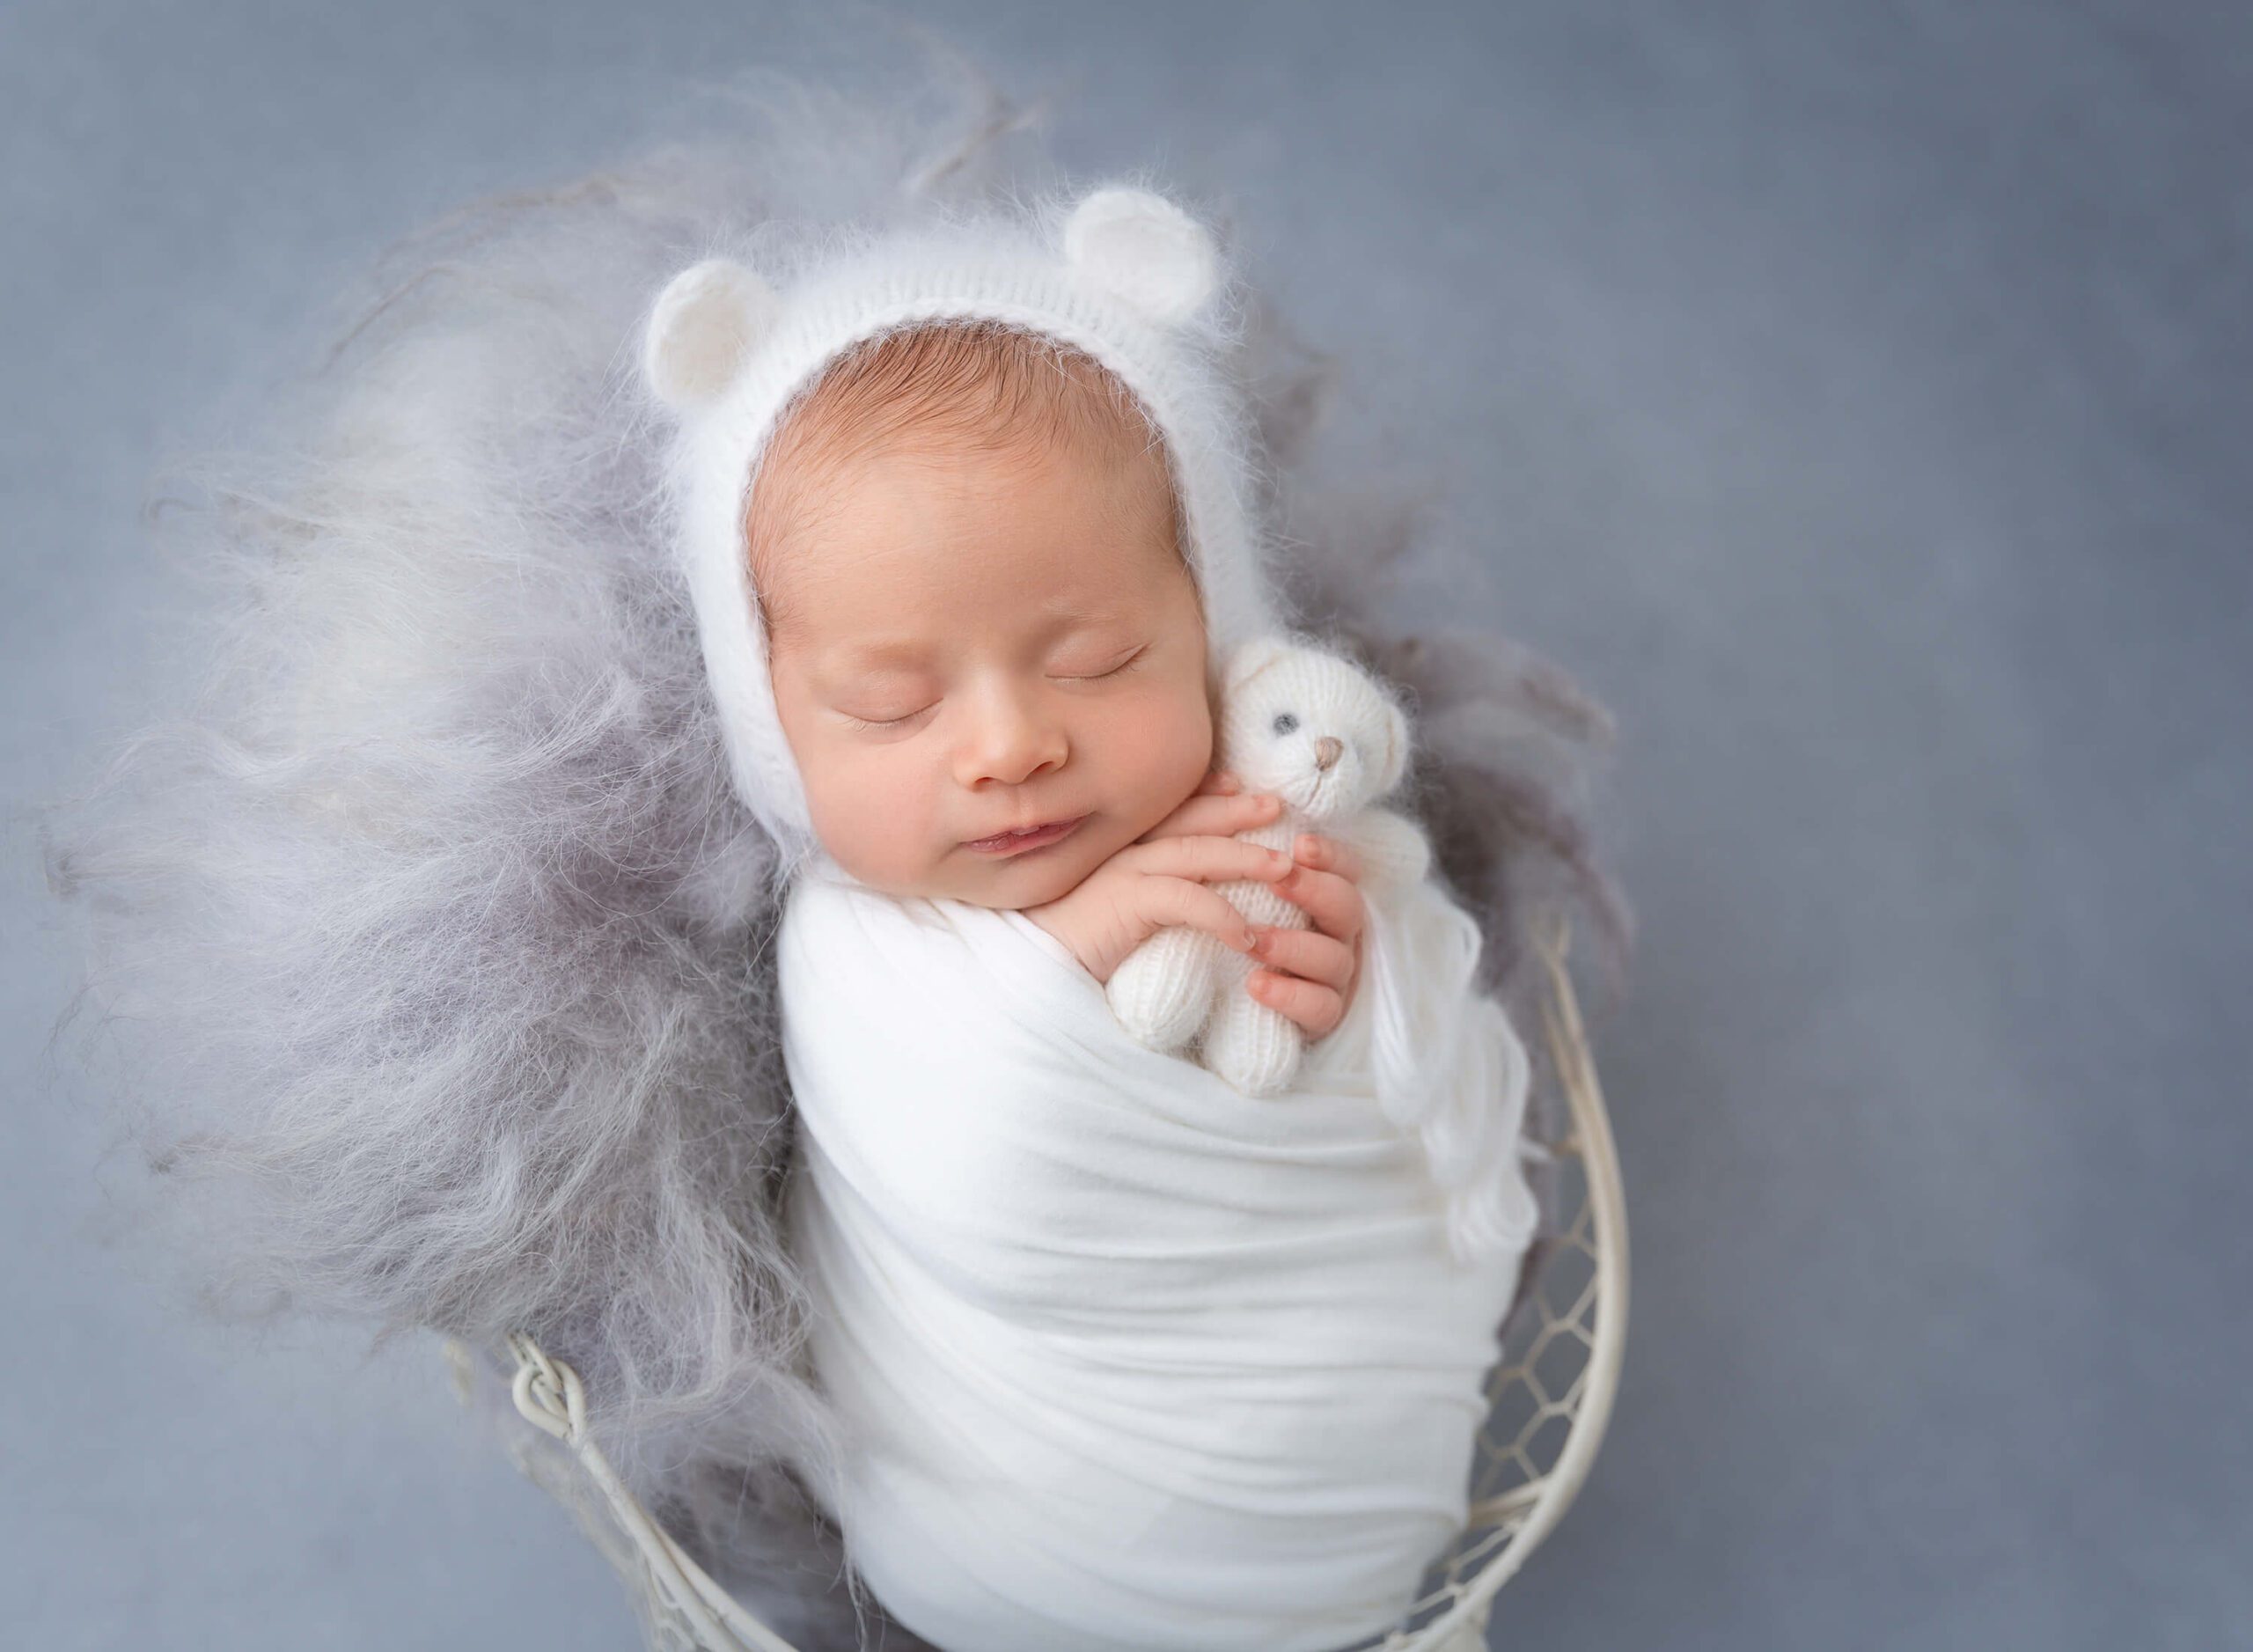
{"x":1250,"y":941}
{"x":1308,"y":848}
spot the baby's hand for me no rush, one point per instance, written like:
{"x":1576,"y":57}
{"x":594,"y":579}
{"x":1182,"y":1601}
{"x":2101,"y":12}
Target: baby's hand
{"x":1310,"y":975}
{"x":1158,"y":881}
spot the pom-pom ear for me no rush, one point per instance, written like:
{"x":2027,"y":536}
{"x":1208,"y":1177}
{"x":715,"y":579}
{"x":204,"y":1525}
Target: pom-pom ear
{"x":1141,"y":247}
{"x":1250,"y":658}
{"x":705,"y":322}
{"x":1396,"y":751}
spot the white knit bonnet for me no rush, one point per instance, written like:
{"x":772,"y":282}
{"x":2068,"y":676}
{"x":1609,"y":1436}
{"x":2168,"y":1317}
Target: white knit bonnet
{"x":1123,"y":275}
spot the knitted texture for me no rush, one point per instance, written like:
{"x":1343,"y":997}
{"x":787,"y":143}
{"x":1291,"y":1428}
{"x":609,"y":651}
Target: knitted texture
{"x":1125,"y":275}
{"x":1447,"y":1067}
{"x":1320,"y":735}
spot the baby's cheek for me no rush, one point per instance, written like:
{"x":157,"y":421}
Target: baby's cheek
{"x":1162,"y":749}
{"x":875,"y":820}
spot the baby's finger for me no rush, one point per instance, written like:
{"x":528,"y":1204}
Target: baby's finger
{"x":1328,"y":855}
{"x":1333,"y":904}
{"x":1306,"y":953}
{"x":1169,"y":902}
{"x":1316,"y":1010}
{"x":1217,"y":814}
{"x":1208,"y":859}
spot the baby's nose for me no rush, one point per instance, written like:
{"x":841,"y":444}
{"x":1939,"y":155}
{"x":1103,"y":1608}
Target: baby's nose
{"x":1328,"y":750}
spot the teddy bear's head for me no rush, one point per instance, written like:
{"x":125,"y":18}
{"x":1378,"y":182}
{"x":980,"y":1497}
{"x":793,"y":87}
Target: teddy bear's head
{"x":1311,"y":726}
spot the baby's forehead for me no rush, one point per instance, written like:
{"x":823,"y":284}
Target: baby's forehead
{"x":972,"y":428}
{"x":896,"y":537}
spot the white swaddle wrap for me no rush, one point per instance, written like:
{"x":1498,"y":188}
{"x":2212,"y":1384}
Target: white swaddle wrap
{"x":1136,"y":1361}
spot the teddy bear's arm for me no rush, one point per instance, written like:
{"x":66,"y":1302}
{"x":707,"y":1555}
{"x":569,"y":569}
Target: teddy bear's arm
{"x":1393,"y":850}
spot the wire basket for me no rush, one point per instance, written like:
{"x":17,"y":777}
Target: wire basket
{"x":1550,"y":1398}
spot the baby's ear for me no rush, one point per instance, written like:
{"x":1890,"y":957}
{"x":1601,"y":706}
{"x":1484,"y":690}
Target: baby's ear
{"x":705,"y":323}
{"x":1141,"y":247}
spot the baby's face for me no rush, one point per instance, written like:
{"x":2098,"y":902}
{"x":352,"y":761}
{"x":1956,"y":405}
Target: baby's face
{"x":967,"y":641}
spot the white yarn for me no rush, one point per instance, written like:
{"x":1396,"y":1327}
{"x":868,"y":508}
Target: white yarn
{"x":1450,"y":1069}
{"x":1309,"y":726}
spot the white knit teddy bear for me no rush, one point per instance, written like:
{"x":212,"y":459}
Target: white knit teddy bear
{"x":1313,"y":728}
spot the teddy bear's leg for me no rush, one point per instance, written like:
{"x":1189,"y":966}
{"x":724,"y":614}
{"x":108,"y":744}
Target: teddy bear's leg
{"x":1161,"y":990}
{"x":1255,"y":1048}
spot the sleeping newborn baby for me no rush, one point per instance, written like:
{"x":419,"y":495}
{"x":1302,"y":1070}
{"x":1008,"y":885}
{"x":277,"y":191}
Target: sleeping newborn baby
{"x":1130,"y":1360}
{"x":989,"y":660}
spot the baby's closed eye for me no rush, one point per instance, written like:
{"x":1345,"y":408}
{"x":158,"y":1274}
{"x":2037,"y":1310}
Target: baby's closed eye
{"x":1097,"y":672}
{"x":1134,"y":657}
{"x":899,"y":722}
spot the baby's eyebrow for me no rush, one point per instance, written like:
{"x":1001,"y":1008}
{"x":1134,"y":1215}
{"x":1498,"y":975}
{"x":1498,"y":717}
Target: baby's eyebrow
{"x":870,"y":656}
{"x":876,"y":656}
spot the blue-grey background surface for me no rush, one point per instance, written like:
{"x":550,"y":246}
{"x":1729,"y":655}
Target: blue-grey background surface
{"x":1856,"y":396}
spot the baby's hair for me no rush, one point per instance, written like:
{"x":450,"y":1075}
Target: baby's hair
{"x":980,"y":386}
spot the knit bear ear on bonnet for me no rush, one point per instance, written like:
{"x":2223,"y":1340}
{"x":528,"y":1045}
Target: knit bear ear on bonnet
{"x":1124,"y":275}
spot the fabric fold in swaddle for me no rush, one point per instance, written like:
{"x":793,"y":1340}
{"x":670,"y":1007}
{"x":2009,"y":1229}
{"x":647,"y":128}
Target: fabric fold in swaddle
{"x":1134,"y":1362}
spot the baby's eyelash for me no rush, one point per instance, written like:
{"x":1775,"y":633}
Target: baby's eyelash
{"x":1128,"y":663}
{"x":868,"y":726}
{"x":889,"y":722}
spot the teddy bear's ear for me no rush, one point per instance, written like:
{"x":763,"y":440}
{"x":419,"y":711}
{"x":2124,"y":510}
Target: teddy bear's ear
{"x":1141,"y":247}
{"x":1250,"y":659}
{"x":1396,"y":749}
{"x":704,"y":324}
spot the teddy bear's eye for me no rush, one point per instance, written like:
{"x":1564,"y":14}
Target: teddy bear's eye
{"x":1285,"y":722}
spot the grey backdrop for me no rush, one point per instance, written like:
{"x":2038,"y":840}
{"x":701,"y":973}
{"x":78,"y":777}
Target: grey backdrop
{"x":1856,"y":396}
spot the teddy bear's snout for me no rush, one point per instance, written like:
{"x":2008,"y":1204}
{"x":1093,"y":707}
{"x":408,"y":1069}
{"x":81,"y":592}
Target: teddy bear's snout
{"x":1327,"y":751}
